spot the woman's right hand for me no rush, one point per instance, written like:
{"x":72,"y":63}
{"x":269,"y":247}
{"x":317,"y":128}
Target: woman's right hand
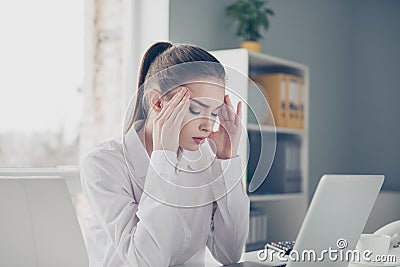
{"x":167,"y":123}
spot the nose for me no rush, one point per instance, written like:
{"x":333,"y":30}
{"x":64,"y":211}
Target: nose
{"x":206,"y":125}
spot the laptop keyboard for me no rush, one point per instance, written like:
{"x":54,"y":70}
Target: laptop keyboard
{"x":284,"y":247}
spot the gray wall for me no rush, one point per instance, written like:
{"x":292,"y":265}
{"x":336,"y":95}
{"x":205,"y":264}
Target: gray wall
{"x":351,"y":49}
{"x":375,"y":122}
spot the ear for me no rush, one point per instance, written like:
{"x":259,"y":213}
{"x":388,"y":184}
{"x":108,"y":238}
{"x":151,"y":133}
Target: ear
{"x":154,"y":98}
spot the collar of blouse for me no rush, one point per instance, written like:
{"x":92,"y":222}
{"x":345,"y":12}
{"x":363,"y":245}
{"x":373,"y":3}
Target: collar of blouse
{"x":138,"y":159}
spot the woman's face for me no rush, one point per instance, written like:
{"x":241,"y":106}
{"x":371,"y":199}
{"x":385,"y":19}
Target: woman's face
{"x":206,"y":99}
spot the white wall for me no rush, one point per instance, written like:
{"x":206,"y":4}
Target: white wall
{"x":385,"y":210}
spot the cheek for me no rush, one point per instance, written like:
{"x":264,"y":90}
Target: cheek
{"x":187,"y":118}
{"x":187,"y":129}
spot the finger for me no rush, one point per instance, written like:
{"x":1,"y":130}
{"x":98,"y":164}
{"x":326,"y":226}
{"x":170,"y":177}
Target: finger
{"x":223,"y":128}
{"x":164,"y":108}
{"x":180,"y":110}
{"x":177,"y":97}
{"x":238,"y":117}
{"x":228,"y":101}
{"x":171,"y":105}
{"x":225,"y":108}
{"x":224,"y":116}
{"x":231,"y":111}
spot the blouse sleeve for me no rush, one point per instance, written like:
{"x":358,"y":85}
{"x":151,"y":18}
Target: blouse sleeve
{"x":230,"y":220}
{"x":133,"y":228}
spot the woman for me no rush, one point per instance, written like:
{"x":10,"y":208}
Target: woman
{"x":171,"y":186}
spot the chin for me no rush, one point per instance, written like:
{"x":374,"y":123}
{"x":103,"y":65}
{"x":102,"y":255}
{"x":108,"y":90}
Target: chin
{"x":190,"y":147}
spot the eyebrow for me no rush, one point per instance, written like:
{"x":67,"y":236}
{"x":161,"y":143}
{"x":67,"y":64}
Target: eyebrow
{"x":204,"y":105}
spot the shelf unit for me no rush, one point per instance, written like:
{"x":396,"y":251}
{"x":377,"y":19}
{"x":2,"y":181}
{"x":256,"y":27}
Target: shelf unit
{"x":285,"y":211}
{"x":278,"y":130}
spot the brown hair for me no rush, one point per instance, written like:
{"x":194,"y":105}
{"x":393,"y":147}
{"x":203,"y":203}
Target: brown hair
{"x":155,"y":63}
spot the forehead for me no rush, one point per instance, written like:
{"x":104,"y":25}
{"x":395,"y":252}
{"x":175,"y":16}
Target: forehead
{"x":211,"y":92}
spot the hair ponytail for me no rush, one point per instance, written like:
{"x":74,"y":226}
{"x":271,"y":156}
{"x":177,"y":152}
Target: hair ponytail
{"x":148,"y":58}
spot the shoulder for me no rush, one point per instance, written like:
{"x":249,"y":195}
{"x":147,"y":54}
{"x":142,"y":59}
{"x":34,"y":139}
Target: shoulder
{"x":104,"y":162}
{"x":104,"y":172}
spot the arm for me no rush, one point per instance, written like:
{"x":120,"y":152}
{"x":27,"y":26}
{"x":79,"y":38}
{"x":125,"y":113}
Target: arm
{"x":134,"y":228}
{"x":230,"y":223}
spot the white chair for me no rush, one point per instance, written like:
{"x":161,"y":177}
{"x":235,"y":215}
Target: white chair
{"x":38,"y":225}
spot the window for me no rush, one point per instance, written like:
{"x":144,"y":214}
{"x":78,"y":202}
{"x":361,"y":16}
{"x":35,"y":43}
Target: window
{"x":41,"y":77}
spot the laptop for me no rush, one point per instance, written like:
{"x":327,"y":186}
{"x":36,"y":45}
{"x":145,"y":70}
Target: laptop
{"x":38,"y":225}
{"x":335,"y":219}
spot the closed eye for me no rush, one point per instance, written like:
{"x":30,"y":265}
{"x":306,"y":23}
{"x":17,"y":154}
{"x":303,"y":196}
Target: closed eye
{"x":198,"y":112}
{"x":194,"y":112}
{"x":218,"y":109}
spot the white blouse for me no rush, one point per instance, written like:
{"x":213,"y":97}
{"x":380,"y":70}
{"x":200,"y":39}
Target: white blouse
{"x":177,"y":216}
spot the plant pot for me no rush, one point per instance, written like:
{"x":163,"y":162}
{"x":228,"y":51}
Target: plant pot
{"x":251,"y":46}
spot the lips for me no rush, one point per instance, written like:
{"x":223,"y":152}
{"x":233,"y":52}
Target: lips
{"x":199,"y":139}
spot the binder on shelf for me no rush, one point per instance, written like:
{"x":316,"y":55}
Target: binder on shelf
{"x":257,"y":236}
{"x":294,"y":99}
{"x":285,"y":174}
{"x":275,"y":90}
{"x":301,"y":103}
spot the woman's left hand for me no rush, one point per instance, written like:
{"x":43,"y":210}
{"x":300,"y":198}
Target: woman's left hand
{"x":227,"y":137}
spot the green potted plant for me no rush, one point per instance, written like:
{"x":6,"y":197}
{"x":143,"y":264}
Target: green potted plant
{"x":251,"y":16}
